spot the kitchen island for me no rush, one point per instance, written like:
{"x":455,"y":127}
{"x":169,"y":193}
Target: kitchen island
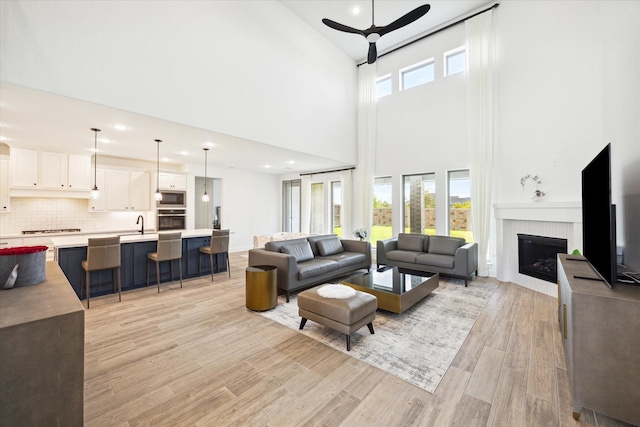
{"x":70,"y":251}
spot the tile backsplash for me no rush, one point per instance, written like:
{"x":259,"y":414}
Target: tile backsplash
{"x":54,"y":213}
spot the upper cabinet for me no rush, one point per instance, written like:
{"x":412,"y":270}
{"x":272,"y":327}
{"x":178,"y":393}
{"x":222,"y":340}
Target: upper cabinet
{"x":46,"y":170}
{"x":4,"y":184}
{"x":24,"y":168}
{"x":172,"y":181}
{"x":128,"y":191}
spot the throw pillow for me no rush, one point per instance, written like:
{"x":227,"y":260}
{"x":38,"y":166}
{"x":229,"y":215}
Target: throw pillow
{"x":330,"y":246}
{"x":443,"y":245}
{"x":300,"y":251}
{"x":410,"y":242}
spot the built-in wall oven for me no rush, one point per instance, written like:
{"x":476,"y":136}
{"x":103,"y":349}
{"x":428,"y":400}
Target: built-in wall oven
{"x":171,"y":219}
{"x":172,"y":199}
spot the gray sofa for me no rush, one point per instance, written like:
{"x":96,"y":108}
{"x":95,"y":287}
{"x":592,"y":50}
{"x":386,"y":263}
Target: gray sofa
{"x":450,"y":256}
{"x":308,"y":261}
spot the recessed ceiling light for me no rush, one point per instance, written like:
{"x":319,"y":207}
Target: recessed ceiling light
{"x":105,"y":140}
{"x":3,"y":138}
{"x":209,"y":144}
{"x":267,"y":166}
{"x":120,"y":127}
{"x":291,"y":162}
{"x":165,"y":159}
{"x":182,"y":153}
{"x":355,"y":10}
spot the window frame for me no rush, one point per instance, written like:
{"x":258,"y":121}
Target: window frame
{"x":382,"y":79}
{"x":450,"y":53}
{"x":414,"y":67}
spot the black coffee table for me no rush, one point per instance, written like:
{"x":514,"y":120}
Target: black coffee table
{"x":397,"y":289}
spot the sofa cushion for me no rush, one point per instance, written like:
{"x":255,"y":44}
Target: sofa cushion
{"x":444,"y":245}
{"x":330,"y":246}
{"x":435,"y":260}
{"x":410,"y":242}
{"x":313,"y":241}
{"x":346,"y":259}
{"x":402,"y":256}
{"x":316,"y":267}
{"x":301,"y":251}
{"x":276,"y":245}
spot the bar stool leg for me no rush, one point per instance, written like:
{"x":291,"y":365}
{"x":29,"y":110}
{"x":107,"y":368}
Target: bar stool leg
{"x":119,"y":285}
{"x":158,"y":275}
{"x":180,"y":269}
{"x":211,"y":264}
{"x":87,"y":289}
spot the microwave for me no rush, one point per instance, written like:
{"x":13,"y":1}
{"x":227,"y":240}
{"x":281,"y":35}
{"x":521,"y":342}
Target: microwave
{"x":177,"y":199}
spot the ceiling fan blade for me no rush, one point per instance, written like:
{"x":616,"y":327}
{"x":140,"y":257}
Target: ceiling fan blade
{"x":405,"y":20}
{"x":373,"y":53}
{"x":340,"y":27}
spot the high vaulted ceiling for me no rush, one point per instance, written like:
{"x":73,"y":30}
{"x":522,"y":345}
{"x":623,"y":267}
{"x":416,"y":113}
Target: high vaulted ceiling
{"x":54,"y":121}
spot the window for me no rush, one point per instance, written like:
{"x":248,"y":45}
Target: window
{"x":419,"y":203}
{"x":459,"y":183}
{"x":455,"y":61}
{"x":382,"y":210}
{"x":291,"y":202}
{"x":336,"y":203}
{"x":317,"y":208}
{"x":383,"y":86}
{"x":417,"y":74}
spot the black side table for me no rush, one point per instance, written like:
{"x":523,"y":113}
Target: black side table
{"x":261,"y":287}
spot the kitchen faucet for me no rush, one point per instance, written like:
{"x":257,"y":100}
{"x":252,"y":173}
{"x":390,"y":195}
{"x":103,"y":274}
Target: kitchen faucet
{"x":140,"y":217}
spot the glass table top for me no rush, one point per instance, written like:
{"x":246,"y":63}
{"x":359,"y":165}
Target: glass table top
{"x":390,"y":279}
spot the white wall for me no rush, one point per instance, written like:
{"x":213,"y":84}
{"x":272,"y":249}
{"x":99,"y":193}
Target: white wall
{"x":249,"y":69}
{"x":567,"y":84}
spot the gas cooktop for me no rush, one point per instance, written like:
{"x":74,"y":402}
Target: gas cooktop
{"x":57,"y":230}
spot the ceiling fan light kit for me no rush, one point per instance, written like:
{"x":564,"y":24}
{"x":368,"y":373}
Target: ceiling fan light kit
{"x":373,"y":33}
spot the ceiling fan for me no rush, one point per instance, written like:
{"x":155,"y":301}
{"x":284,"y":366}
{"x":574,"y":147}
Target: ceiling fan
{"x":373,"y":33}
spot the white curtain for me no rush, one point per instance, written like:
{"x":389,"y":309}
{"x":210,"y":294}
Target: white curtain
{"x":363,"y":188}
{"x":346,"y":187}
{"x":480,"y":134}
{"x":305,"y":202}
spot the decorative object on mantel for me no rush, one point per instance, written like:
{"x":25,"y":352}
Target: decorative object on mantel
{"x":360,"y":233}
{"x":538,"y":195}
{"x":23,"y":266}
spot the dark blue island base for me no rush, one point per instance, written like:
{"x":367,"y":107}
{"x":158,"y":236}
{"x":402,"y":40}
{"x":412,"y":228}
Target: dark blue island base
{"x":134,"y":265}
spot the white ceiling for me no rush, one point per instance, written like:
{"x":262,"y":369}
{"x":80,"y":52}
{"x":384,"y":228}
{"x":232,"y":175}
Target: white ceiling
{"x":61,"y":124}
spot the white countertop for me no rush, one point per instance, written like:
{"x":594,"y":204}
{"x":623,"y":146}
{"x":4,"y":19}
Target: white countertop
{"x":78,"y":240}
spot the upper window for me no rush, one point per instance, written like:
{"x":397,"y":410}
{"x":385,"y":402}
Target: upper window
{"x":383,"y":86}
{"x":416,"y":74}
{"x":455,"y":61}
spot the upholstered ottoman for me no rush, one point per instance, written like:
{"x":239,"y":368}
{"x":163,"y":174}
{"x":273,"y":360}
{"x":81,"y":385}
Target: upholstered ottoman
{"x":345,"y":315}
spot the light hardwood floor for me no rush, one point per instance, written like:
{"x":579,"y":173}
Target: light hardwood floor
{"x":197,"y":356}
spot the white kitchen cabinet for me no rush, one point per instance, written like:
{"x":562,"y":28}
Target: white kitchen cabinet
{"x":99,"y":204}
{"x":4,"y":185}
{"x":79,"y":177}
{"x":24,"y":168}
{"x":172,"y":181}
{"x":128,"y":191}
{"x":48,"y":170}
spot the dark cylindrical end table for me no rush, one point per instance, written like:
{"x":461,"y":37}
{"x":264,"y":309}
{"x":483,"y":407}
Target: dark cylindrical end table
{"x":262,"y":287}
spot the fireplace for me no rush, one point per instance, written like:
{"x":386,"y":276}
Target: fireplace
{"x":537,"y":256}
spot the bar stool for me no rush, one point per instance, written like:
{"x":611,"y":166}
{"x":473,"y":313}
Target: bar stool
{"x":169,"y":249}
{"x":219,"y":245}
{"x":102,"y":253}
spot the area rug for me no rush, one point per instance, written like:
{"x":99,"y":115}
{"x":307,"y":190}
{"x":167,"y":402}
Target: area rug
{"x":418,"y":345}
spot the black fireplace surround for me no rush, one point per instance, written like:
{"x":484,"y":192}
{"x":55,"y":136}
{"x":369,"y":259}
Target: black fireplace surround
{"x":537,"y":256}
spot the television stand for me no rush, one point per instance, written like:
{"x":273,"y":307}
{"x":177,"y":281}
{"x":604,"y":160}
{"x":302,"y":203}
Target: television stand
{"x":600,"y":330}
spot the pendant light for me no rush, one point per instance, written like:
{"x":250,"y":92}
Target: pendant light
{"x":95,"y":192}
{"x":205,"y":196}
{"x":157,"y":196}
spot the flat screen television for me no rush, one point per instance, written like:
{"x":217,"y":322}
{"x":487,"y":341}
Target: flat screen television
{"x":599,"y":217}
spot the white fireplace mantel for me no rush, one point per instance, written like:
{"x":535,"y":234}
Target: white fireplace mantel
{"x":540,"y":211}
{"x":551,"y":219}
